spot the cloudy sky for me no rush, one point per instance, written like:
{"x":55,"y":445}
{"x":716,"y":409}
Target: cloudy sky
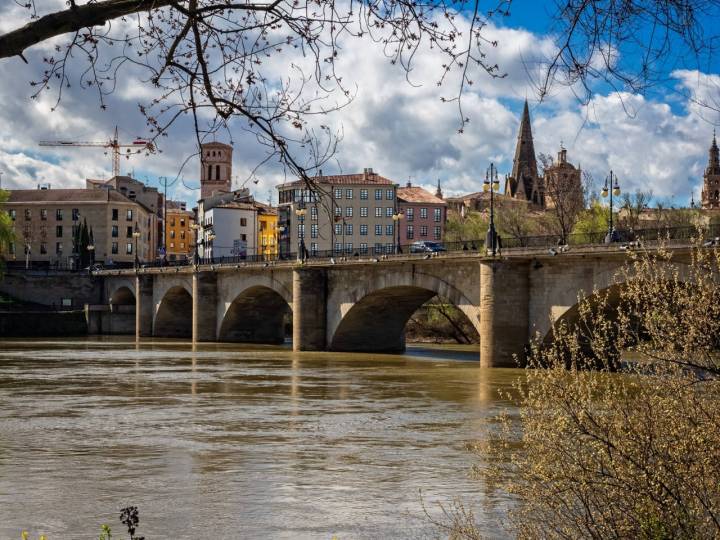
{"x":403,"y":131}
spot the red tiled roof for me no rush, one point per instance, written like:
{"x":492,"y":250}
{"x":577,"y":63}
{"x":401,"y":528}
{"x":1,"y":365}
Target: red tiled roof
{"x":343,"y":179}
{"x":415,"y":194}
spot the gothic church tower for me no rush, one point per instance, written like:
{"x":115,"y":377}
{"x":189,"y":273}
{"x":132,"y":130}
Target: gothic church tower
{"x":524,"y":182}
{"x":711,"y":183}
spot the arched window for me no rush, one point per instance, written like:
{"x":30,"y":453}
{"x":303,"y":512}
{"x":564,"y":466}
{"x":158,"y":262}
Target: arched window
{"x":217,"y":172}
{"x":209,"y":172}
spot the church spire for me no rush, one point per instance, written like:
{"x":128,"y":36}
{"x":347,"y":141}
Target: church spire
{"x":439,"y":193}
{"x":524,"y":171}
{"x":714,"y":157}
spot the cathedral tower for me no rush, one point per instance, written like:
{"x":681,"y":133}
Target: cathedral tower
{"x":524,"y":182}
{"x":711,"y":183}
{"x":215,"y":169}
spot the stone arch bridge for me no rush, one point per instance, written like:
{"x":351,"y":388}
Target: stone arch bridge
{"x":356,"y":305}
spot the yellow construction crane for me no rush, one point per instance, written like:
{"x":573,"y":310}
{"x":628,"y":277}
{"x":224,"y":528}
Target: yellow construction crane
{"x":137,"y":146}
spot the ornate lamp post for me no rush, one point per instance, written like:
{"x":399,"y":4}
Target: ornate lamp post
{"x":91,"y":249}
{"x":136,"y":235}
{"x":396,"y":219}
{"x":491,"y":184}
{"x":300,"y":212}
{"x":196,"y":257}
{"x":611,"y":188}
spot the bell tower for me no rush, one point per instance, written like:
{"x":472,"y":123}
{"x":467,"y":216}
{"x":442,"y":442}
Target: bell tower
{"x":215,"y":169}
{"x":711,"y":179}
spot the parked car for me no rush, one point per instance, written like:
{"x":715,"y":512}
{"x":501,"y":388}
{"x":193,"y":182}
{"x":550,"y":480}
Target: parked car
{"x":426,"y":246}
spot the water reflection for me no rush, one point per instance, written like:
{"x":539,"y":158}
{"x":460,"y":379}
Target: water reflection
{"x":225,"y":441}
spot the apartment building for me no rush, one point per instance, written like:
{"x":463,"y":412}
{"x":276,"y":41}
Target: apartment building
{"x":45,"y":222}
{"x":343,"y":214}
{"x":424,"y":215}
{"x":179,"y":234}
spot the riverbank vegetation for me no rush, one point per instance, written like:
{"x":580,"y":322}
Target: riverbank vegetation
{"x":619,"y":432}
{"x":439,"y":321}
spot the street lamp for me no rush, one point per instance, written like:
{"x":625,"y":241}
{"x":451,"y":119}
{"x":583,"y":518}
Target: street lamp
{"x":300,"y":212}
{"x":396,"y":219}
{"x":491,"y":184}
{"x":611,"y":188}
{"x":196,"y":258}
{"x":136,"y":235}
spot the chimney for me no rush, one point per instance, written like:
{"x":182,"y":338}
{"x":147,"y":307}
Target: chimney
{"x":365,"y":174}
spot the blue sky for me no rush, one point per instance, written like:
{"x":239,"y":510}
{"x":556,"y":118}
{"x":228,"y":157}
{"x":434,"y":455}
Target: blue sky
{"x":655,"y":142}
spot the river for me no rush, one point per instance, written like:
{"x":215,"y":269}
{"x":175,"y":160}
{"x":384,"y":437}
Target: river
{"x":230,"y":442}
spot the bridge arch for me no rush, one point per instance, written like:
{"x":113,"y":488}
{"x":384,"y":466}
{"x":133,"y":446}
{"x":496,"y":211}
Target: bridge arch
{"x":122,"y":296}
{"x":173,"y":316}
{"x":372,"y":315}
{"x":256,"y":315}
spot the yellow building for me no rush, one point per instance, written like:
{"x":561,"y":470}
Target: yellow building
{"x":267,"y":241}
{"x":179,"y":237}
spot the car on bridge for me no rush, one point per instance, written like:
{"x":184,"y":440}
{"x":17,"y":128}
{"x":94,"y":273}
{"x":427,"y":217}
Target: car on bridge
{"x":425,"y":246}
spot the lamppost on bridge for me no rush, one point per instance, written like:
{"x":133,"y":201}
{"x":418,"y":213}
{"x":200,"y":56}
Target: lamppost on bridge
{"x":491,"y":184}
{"x":611,"y":188}
{"x":396,"y":219}
{"x":136,"y":235}
{"x":196,"y":256}
{"x":300,"y":211}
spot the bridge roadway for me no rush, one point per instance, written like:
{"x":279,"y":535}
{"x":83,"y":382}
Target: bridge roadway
{"x":358,"y":304}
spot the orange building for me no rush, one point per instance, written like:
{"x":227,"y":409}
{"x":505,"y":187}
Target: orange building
{"x":179,"y":236}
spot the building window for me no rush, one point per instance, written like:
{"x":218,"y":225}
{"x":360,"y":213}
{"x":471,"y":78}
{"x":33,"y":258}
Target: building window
{"x":423,"y":230}
{"x":172,"y":222}
{"x":410,"y":232}
{"x":338,"y":211}
{"x":58,"y":231}
{"x":11,"y":248}
{"x":338,"y":229}
{"x":437,"y":214}
{"x":389,"y":211}
{"x":423,"y":213}
{"x":437,"y":233}
{"x":314,"y":230}
{"x":129,"y":248}
{"x":58,"y":214}
{"x":129,"y":232}
{"x":313,"y":213}
{"x":338,"y":193}
{"x":348,"y":247}
{"x":58,"y":248}
{"x":363,"y":229}
{"x":363,"y":211}
{"x":182,"y":235}
{"x":409,"y":214}
{"x":389,"y":248}
{"x":114,"y":214}
{"x":389,"y":229}
{"x":378,"y":194}
{"x":378,"y":230}
{"x":301,"y":230}
{"x":338,"y":247}
{"x":182,"y":222}
{"x":172,"y":233}
{"x":348,"y":193}
{"x":13,"y":214}
{"x":43,"y":248}
{"x":363,"y":248}
{"x":75,"y":214}
{"x":243,"y":222}
{"x":389,"y":194}
{"x":129,"y":215}
{"x":114,"y":248}
{"x":28,"y":214}
{"x":348,"y":211}
{"x":182,"y":245}
{"x":313,"y":248}
{"x":364,"y":194}
{"x":348,"y":228}
{"x":378,"y":249}
{"x":172,"y":244}
{"x":43,"y":214}
{"x":114,"y":231}
{"x":378,"y":211}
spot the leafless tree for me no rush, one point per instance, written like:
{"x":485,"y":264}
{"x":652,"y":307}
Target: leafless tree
{"x":214,"y":59}
{"x":563,"y":197}
{"x":632,"y":207}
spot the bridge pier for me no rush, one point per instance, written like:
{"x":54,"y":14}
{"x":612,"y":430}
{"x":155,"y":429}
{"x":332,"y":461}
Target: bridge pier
{"x":204,"y":306}
{"x":143,"y":306}
{"x":309,"y":309}
{"x":504,"y":312}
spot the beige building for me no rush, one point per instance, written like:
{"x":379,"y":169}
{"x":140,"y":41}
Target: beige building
{"x":344,"y":214}
{"x":179,"y":235}
{"x":45,"y":221}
